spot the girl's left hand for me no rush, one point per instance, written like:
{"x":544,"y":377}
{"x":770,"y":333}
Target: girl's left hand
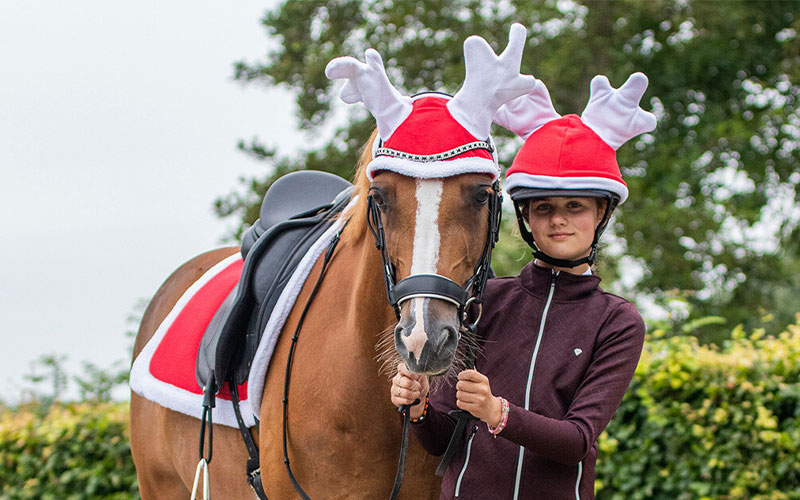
{"x":474,"y":394}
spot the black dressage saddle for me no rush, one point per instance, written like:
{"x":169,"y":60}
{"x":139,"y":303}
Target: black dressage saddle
{"x":297,"y":209}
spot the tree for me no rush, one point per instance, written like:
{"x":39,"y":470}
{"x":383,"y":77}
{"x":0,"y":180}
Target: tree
{"x":47,"y":370}
{"x":713,"y":213}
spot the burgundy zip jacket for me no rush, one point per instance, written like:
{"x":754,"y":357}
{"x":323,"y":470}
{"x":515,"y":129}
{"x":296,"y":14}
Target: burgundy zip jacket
{"x":562,"y":352}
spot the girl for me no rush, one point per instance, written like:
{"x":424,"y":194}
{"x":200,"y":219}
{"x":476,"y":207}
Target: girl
{"x":558,"y":352}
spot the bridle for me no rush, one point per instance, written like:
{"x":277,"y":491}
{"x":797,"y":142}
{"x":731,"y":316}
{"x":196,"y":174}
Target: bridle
{"x":434,"y":285}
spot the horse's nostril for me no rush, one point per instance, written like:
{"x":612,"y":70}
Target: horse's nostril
{"x":443,"y":341}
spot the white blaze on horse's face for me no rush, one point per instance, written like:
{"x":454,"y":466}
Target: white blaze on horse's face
{"x":424,"y":258}
{"x":426,"y":227}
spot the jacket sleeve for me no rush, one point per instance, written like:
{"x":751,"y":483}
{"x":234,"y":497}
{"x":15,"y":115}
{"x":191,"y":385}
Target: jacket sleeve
{"x":596,"y":399}
{"x":434,"y":431}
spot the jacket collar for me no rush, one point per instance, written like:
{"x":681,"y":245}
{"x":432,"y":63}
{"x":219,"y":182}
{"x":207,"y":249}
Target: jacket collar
{"x":569,"y":287}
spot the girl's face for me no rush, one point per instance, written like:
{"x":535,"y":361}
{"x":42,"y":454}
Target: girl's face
{"x":563,"y":227}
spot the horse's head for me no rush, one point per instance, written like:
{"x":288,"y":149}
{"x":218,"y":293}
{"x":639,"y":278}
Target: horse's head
{"x":433,"y":202}
{"x":437,"y":240}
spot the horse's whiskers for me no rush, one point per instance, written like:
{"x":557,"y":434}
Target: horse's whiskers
{"x":386,"y":354}
{"x":468,"y":349}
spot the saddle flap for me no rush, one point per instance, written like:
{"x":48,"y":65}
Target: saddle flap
{"x":206,"y":353}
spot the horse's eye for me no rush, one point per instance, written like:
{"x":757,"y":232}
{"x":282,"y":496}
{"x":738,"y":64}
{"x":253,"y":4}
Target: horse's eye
{"x":377,"y":198}
{"x":481,"y":196}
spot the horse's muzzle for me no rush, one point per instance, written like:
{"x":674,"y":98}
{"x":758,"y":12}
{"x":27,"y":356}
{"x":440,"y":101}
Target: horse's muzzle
{"x":427,"y":335}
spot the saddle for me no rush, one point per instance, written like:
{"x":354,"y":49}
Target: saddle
{"x":297,"y":209}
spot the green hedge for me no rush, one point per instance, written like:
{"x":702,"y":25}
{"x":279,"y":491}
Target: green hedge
{"x":701,"y":422}
{"x":71,"y":452}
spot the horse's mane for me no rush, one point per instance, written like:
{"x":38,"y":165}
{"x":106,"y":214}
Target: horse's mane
{"x":357,"y":213}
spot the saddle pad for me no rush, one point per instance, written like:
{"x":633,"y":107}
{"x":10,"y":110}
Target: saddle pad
{"x":164,"y":372}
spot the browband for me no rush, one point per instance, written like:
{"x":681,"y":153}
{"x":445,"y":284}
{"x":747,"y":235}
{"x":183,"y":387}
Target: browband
{"x":435,"y":157}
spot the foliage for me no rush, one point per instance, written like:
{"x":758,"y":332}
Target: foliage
{"x":713,"y":206}
{"x":75,"y":451}
{"x":97,"y":384}
{"x":707,"y":422}
{"x":698,"y":422}
{"x":47,"y":370}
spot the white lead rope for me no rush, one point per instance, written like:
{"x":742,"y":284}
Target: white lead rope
{"x":201,"y":466}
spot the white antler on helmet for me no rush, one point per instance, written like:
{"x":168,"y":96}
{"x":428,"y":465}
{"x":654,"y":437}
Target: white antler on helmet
{"x":614,"y":114}
{"x":525,"y":114}
{"x":490,"y":81}
{"x":369,"y":84}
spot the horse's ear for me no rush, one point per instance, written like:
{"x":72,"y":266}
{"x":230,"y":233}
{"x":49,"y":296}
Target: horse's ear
{"x":490,"y":81}
{"x":614,"y":114}
{"x":368,"y":83}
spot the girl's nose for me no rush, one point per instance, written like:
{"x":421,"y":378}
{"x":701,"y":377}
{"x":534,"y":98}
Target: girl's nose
{"x":558,"y":218}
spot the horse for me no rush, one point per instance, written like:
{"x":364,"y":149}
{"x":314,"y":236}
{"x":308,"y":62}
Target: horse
{"x":434,"y":222}
{"x":344,"y":433}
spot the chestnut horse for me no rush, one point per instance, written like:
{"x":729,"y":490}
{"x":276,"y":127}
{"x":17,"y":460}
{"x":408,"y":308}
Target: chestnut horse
{"x":344,"y":433}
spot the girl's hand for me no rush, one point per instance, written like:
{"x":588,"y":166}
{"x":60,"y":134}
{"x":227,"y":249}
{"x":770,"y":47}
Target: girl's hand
{"x":474,"y":394}
{"x":407,"y":387}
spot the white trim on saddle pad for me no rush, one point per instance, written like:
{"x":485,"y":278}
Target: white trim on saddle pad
{"x":146,"y":385}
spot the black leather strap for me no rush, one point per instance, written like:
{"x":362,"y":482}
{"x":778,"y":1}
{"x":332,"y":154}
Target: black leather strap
{"x":290,"y":359}
{"x":462,"y":418}
{"x":428,"y":285}
{"x":253,"y":463}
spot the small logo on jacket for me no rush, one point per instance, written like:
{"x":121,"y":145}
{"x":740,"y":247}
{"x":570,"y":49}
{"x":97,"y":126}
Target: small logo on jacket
{"x":577,"y":351}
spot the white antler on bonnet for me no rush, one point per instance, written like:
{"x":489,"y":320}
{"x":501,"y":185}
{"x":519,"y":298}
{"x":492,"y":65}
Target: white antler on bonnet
{"x":525,"y":114}
{"x":490,"y":81}
{"x":369,"y":84}
{"x":614,"y":114}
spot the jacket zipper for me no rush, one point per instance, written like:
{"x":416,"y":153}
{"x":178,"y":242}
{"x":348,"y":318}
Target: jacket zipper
{"x":466,"y":460}
{"x":521,"y":456}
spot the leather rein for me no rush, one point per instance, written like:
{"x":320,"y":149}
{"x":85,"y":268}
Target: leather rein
{"x":416,"y":285}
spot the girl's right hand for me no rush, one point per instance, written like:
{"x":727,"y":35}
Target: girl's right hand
{"x":408,"y":387}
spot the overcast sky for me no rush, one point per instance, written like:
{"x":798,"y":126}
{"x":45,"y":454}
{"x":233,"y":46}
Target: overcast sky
{"x":118,"y":128}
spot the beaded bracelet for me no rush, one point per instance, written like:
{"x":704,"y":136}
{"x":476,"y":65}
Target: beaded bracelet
{"x":424,"y":412}
{"x":503,"y":418}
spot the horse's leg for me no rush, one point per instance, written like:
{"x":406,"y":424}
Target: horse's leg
{"x":157,"y":473}
{"x":164,"y":443}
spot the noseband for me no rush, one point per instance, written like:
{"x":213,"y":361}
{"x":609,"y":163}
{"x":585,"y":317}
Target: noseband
{"x":436,"y":286}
